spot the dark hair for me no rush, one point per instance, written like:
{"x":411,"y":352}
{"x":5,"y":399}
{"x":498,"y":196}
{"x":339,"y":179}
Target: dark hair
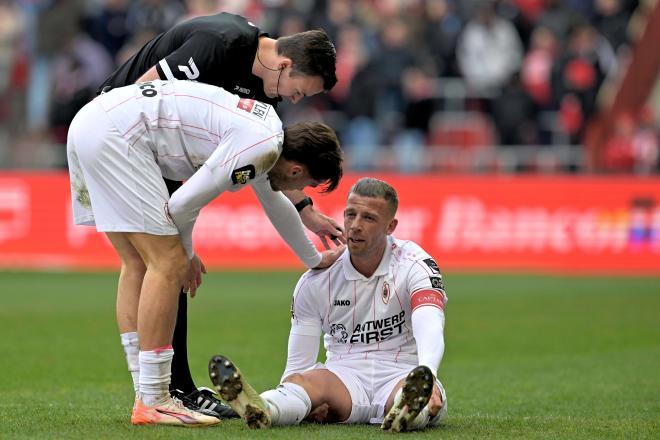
{"x":315,"y":145}
{"x":312,"y":53}
{"x":377,"y":189}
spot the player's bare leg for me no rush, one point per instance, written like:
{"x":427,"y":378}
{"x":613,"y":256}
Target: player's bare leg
{"x":317,"y":394}
{"x":330,"y":399}
{"x":415,"y":395}
{"x":166,"y":266}
{"x":165,"y":262}
{"x":130,"y":281}
{"x":128,"y":297}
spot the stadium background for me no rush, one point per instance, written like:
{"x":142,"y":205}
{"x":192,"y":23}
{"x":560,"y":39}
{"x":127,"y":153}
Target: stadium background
{"x":522,"y":136}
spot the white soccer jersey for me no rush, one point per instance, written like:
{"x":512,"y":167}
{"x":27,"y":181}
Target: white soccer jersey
{"x":186,"y":124}
{"x":368,"y":318}
{"x":121,"y":145}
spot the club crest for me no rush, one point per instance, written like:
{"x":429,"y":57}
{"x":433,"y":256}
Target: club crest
{"x":386,"y":293}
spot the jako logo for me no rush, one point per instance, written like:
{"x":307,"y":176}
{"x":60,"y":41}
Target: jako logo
{"x":342,"y":302}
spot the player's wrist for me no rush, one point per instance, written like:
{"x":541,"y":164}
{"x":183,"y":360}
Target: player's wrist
{"x":307,"y":201}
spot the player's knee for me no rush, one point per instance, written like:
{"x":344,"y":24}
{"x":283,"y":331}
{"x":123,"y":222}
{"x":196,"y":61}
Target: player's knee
{"x":133,"y":265}
{"x":172,"y":264}
{"x":179,"y":265}
{"x":296,"y":378}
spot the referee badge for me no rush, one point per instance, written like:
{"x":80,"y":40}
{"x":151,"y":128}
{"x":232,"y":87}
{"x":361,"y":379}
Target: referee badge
{"x":386,"y":292}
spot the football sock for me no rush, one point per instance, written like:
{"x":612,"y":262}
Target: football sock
{"x":131,"y":349}
{"x":181,"y":377}
{"x":155,"y":371}
{"x":440,"y":417}
{"x":288,"y":404}
{"x":421,"y":420}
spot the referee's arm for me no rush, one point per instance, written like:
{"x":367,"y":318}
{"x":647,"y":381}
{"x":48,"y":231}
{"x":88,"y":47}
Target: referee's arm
{"x":150,"y":75}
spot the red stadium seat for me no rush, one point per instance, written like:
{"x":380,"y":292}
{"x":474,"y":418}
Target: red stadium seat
{"x":461,"y":142}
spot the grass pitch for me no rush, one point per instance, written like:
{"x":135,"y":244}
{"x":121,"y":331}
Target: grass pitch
{"x":527,"y":356}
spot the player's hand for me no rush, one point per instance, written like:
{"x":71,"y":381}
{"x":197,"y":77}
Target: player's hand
{"x":330,"y":256}
{"x":325,"y":227}
{"x":319,"y":414}
{"x":435,"y":402}
{"x":194,"y":279}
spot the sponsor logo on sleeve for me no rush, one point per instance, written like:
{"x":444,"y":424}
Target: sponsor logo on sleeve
{"x":257,"y":108}
{"x":430,"y":262}
{"x":240,"y":176}
{"x":246,"y":104}
{"x":260,"y":110}
{"x":437,"y":283}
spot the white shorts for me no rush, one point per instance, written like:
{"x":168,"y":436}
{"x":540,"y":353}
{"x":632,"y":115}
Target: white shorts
{"x":370,"y":383}
{"x":115,"y":186}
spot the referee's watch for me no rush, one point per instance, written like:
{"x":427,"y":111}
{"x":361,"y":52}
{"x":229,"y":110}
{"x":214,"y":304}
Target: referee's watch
{"x":307,"y":201}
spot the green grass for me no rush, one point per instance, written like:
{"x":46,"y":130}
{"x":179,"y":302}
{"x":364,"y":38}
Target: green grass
{"x":527,"y":356}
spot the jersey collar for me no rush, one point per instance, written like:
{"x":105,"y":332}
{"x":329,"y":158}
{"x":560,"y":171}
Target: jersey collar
{"x":383,"y":268}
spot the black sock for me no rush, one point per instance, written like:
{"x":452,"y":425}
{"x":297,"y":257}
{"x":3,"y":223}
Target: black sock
{"x":181,"y":378}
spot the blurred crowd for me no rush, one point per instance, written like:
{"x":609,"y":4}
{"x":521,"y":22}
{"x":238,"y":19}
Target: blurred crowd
{"x":415,"y":76}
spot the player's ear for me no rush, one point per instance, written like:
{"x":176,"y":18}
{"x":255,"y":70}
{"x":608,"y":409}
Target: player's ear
{"x":284,"y":63}
{"x":295,"y":169}
{"x":392,"y":226}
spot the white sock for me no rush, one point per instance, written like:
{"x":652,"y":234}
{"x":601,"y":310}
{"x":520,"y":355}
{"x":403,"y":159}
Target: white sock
{"x":131,"y":349}
{"x":155,"y":372}
{"x":442,"y":414}
{"x":289,"y":404}
{"x":424,"y":419}
{"x":421,"y":420}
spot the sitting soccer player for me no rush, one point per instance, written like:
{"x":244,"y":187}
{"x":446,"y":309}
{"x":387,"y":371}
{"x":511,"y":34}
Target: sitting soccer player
{"x":381,"y":309}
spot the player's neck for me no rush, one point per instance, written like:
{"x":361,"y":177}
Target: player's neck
{"x":265,"y":60}
{"x":367,"y":264}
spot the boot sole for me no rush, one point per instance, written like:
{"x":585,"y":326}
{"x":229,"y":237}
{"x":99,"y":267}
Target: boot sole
{"x":240,"y":396}
{"x":417,"y":390}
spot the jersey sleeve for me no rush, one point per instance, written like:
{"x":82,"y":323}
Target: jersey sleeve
{"x":284,"y":217}
{"x":425,"y":285}
{"x":196,"y":59}
{"x":243,"y":155}
{"x":305,"y":309}
{"x":231,"y":167}
{"x":428,"y":324}
{"x":302,"y":352}
{"x":186,"y":202}
{"x":427,"y":303}
{"x":304,"y":336}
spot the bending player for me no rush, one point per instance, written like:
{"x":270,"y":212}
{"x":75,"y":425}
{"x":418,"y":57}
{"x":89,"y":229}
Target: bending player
{"x":380,"y":307}
{"x":122,"y":144}
{"x":228,"y":51}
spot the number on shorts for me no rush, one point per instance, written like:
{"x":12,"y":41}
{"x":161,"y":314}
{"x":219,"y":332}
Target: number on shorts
{"x":148,"y":90}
